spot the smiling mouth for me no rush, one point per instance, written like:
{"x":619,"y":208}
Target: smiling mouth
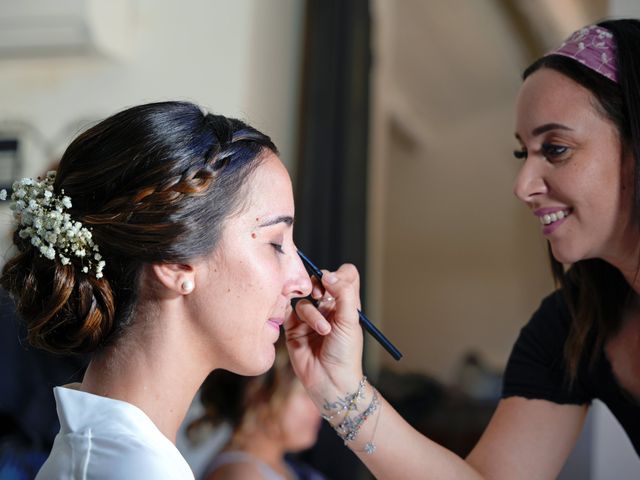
{"x":550,"y":218}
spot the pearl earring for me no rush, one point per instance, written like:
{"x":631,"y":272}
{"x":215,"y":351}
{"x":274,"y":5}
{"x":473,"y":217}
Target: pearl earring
{"x":187,"y":286}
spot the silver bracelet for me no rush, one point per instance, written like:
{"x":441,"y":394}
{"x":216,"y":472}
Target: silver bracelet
{"x":346,"y":404}
{"x":370,"y":447}
{"x":348,"y":429}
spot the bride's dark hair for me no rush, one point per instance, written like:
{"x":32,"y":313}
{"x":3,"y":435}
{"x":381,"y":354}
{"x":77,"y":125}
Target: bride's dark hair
{"x":154,"y":183}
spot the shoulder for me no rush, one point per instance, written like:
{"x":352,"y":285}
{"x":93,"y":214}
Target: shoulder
{"x":548,"y":329}
{"x":552,"y":312}
{"x":236,"y":471}
{"x":537,"y":367}
{"x":136,"y":457}
{"x":101,"y":459}
{"x":114,"y":457}
{"x":543,"y":337}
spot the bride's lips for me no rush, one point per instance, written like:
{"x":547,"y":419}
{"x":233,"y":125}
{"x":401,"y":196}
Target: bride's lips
{"x":275,"y":322}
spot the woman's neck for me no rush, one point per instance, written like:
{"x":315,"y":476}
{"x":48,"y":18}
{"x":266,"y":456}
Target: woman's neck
{"x":152,"y":367}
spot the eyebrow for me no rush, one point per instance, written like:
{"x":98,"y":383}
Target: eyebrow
{"x":546,"y":128}
{"x":286,"y":219}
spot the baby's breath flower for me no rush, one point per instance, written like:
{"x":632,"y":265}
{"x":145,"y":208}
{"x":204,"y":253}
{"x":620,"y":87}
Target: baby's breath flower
{"x":41,"y":216}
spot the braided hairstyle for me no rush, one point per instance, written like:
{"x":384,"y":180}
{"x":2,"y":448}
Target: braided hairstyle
{"x":154,"y":183}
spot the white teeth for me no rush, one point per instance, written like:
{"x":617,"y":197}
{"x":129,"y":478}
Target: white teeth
{"x":553,"y":217}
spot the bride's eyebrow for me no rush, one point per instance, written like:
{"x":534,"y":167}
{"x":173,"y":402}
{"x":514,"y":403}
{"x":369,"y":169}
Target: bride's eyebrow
{"x":286,"y":219}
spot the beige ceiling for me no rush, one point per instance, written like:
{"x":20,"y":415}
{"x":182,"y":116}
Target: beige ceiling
{"x":455,"y":58}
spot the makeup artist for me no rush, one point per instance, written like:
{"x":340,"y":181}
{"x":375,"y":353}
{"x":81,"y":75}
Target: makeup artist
{"x":163,"y":246}
{"x":578,"y":129}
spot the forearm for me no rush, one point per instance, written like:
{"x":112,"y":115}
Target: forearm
{"x":399,"y":451}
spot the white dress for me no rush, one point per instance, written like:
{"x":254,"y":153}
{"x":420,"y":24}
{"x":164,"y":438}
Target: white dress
{"x":105,"y":439}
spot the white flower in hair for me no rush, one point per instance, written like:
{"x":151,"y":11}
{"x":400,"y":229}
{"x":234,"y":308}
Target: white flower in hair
{"x":41,"y":216}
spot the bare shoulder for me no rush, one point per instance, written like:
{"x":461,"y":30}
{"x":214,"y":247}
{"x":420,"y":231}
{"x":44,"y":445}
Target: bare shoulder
{"x":236,"y":471}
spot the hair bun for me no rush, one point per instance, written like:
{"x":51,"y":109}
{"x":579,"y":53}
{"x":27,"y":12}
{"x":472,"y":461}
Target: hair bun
{"x":65,"y":311}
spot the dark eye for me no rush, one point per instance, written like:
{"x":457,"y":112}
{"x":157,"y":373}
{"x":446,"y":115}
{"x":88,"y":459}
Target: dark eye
{"x":277,"y":247}
{"x":552,"y":152}
{"x":520,"y":154}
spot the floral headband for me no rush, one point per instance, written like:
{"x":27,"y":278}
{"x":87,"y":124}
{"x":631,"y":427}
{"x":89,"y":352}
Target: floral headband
{"x":594,"y":47}
{"x":41,"y":216}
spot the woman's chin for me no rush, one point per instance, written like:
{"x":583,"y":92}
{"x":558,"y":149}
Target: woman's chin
{"x":256,"y":363}
{"x":564,"y":255}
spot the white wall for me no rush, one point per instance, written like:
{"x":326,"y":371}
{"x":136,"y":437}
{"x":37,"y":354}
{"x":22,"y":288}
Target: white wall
{"x":624,"y":8}
{"x":237,"y":57}
{"x":612,"y":456}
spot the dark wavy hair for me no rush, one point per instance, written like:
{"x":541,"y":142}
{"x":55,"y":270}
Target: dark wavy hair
{"x":154,"y":183}
{"x":596,"y":292}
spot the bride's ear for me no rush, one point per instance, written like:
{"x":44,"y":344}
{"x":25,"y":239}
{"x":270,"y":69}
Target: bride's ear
{"x":177,"y":277}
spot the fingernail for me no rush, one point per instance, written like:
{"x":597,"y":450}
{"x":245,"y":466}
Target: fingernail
{"x":323,"y":327}
{"x":331,"y":278}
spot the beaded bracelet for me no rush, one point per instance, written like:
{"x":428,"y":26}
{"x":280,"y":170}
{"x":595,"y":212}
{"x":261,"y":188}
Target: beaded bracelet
{"x":348,"y":429}
{"x":346,"y":404}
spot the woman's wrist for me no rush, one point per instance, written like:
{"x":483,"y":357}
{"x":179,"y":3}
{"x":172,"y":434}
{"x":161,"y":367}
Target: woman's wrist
{"x":350,"y":415}
{"x":337,"y":408}
{"x":334,"y":388}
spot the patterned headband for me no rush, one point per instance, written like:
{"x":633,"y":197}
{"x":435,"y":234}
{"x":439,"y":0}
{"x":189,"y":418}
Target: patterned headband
{"x":594,"y":47}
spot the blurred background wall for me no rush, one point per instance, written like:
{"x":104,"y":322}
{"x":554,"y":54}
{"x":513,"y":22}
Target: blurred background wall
{"x":240,"y":58}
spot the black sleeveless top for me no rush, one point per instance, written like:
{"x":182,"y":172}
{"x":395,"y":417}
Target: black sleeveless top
{"x":537,"y":370}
